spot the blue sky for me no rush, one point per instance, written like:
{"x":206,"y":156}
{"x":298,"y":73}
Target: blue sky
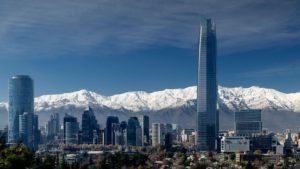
{"x":114,"y":46}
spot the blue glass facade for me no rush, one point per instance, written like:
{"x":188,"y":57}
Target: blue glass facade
{"x":144,"y":122}
{"x":108,"y":131}
{"x":247,"y":122}
{"x":89,"y":125}
{"x":71,"y":129}
{"x":21,"y":100}
{"x":53,"y":127}
{"x":134,"y":132}
{"x":207,"y":114}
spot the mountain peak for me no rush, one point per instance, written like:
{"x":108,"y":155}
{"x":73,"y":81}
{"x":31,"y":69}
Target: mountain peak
{"x":233,"y":98}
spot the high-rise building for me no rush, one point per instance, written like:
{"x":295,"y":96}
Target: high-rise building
{"x":176,"y":131}
{"x":134,"y":132}
{"x":144,"y":122}
{"x":117,"y":134}
{"x":162,"y":134}
{"x":207,"y":114}
{"x":21,"y":110}
{"x":123,"y":126}
{"x":108,"y":131}
{"x":89,"y":126}
{"x":247,"y":122}
{"x":53,"y":127}
{"x":36,"y":131}
{"x":71,"y":129}
{"x":158,"y":130}
{"x":25,"y":131}
{"x":185,"y":134}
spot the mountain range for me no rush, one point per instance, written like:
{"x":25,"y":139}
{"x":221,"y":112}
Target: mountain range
{"x":279,"y":110}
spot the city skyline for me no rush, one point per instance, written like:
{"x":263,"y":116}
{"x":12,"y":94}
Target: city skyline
{"x":103,"y":48}
{"x":149,"y":84}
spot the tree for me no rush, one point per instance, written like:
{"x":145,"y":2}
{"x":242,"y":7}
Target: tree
{"x":17,"y":156}
{"x":232,"y":157}
{"x":47,"y":163}
{"x":249,"y":165}
{"x":63,"y":164}
{"x":200,"y":166}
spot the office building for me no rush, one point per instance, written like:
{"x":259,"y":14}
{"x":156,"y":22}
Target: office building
{"x":207,"y":114}
{"x":288,"y":143}
{"x":53,"y":127}
{"x":233,"y":144}
{"x":89,"y":126}
{"x":162,"y":134}
{"x":247,"y":122}
{"x":266,"y":143}
{"x":20,"y":110}
{"x":123,"y":126}
{"x":176,"y":129}
{"x":185,"y":134}
{"x":36,"y":131}
{"x":134,"y":132}
{"x":108,"y":130}
{"x":158,"y":130}
{"x":168,"y":136}
{"x":117,"y":134}
{"x":144,"y":122}
{"x":71,"y":129}
{"x":25,"y":131}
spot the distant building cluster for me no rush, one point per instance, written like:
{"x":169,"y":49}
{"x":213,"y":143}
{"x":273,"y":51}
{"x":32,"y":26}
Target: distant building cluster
{"x":134,"y":132}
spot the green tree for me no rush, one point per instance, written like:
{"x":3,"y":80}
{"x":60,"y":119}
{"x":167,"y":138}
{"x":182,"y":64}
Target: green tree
{"x":63,"y":164}
{"x":248,"y":165}
{"x":200,"y":166}
{"x":16,"y":157}
{"x":232,"y":156}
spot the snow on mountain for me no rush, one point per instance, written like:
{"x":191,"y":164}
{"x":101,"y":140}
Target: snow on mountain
{"x":258,"y":98}
{"x":133,"y":101}
{"x":232,"y":98}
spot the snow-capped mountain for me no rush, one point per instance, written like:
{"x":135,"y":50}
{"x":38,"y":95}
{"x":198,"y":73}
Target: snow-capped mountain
{"x":132,"y":101}
{"x":232,"y":98}
{"x":170,"y":105}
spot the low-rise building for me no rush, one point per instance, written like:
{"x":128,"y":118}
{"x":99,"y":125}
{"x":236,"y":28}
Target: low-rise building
{"x":232,"y":144}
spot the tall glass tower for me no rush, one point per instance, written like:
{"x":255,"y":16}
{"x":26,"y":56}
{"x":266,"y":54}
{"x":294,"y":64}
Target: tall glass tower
{"x":134,"y":132}
{"x":20,"y":111}
{"x":207,"y":114}
{"x":108,"y":131}
{"x":89,"y":125}
{"x":71,"y":128}
{"x":144,"y":123}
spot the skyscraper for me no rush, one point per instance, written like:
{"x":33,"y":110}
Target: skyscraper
{"x":108,"y":131}
{"x":207,"y":114}
{"x":25,"y":130}
{"x":53,"y":127}
{"x":20,"y":111}
{"x":158,"y":130}
{"x":144,"y":122}
{"x":89,"y":125}
{"x":36,"y":131}
{"x":71,"y":129}
{"x":247,"y":122}
{"x":134,"y":132}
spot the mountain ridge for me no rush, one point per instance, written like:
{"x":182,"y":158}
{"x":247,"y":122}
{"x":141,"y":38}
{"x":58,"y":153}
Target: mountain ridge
{"x":232,"y":98}
{"x":279,"y":110}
